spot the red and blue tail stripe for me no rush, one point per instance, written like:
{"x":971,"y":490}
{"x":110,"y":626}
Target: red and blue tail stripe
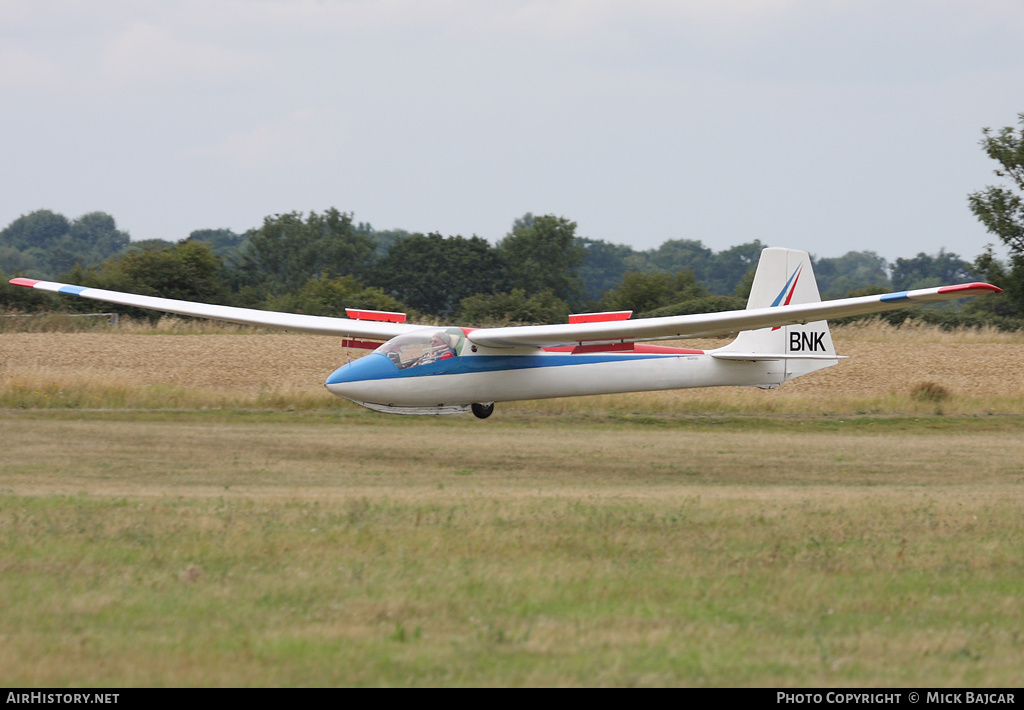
{"x":788,"y":289}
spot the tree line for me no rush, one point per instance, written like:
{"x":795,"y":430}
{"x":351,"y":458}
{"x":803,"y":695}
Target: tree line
{"x":542,"y":270}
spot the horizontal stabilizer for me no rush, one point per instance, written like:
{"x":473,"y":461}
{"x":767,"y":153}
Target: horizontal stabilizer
{"x":773,"y":356}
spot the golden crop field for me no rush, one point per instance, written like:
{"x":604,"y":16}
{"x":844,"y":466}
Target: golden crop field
{"x":980,"y":371}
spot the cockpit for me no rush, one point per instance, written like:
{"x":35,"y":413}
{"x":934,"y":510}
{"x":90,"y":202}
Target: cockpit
{"x":423,"y":347}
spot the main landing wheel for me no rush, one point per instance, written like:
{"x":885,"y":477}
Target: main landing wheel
{"x":482,"y":410}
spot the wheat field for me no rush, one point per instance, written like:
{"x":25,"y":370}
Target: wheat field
{"x":970,"y":372}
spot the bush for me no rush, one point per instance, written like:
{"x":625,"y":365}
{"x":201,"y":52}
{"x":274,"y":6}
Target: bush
{"x":929,"y":392}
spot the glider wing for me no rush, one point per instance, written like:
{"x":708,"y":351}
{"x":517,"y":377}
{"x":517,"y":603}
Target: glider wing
{"x":323,"y":325}
{"x":716,"y":324}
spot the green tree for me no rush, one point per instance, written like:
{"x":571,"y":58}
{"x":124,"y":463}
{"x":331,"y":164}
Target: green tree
{"x":41,"y":229}
{"x":384,"y":240}
{"x":188,"y":271}
{"x":729,"y":268}
{"x":604,"y":265}
{"x":1001,"y":209}
{"x":92,"y":238}
{"x":26,"y":300}
{"x":512,"y":308}
{"x":644,"y":291}
{"x":29,"y":244}
{"x":542,"y":254}
{"x":288,"y":250}
{"x":677,"y":255}
{"x":854,"y":271}
{"x":706,"y":304}
{"x":721,"y":273}
{"x":224,"y":243}
{"x":44,"y":244}
{"x":97,"y":234}
{"x":926,"y":271}
{"x":326,"y":296}
{"x":15,"y":261}
{"x":432,"y":274}
{"x":153,"y":244}
{"x":1003,"y":307}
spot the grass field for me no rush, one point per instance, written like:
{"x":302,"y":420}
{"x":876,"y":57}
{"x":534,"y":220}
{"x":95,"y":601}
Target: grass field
{"x":606,"y":541}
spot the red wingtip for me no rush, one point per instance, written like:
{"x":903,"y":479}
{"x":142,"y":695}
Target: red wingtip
{"x":23,"y":282}
{"x":976,"y":286}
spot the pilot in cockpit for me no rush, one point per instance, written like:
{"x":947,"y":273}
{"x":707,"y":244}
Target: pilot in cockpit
{"x":441,"y":348}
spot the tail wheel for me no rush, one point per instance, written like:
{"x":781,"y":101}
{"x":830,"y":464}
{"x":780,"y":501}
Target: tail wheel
{"x":482,"y":410}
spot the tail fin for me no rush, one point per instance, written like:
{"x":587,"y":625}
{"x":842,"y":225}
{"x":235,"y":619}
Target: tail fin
{"x":784,"y":277}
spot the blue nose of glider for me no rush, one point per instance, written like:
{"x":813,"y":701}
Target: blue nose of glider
{"x":371,"y":367}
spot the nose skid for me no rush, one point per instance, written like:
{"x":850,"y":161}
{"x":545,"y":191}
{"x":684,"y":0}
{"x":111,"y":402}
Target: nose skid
{"x":377,"y":382}
{"x":372,"y":367}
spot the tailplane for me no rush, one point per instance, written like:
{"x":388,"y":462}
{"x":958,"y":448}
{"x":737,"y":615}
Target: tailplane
{"x":784,"y":277}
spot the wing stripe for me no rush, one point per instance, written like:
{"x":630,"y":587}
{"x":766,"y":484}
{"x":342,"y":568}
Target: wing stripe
{"x":377,"y":367}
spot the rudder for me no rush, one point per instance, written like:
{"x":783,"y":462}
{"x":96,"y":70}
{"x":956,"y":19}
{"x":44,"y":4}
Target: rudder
{"x":785,"y":277}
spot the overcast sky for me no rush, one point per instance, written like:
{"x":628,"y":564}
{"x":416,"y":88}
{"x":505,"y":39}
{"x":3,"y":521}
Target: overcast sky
{"x":825,"y":125}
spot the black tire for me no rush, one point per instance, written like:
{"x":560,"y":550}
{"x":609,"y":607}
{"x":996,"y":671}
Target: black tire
{"x":482,"y":410}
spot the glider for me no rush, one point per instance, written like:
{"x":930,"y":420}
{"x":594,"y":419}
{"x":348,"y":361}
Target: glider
{"x":416,"y":369}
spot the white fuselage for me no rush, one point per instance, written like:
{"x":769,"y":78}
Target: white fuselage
{"x":534,"y":374}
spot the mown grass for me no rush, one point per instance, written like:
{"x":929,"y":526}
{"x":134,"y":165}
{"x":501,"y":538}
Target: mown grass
{"x":318,"y":548}
{"x":194,"y":509}
{"x":44,"y":390}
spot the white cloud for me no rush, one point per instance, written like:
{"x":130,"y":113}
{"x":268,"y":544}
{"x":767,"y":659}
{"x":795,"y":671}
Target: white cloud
{"x":620,"y":101}
{"x":21,"y":69}
{"x":303,"y":137}
{"x":144,"y":52}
